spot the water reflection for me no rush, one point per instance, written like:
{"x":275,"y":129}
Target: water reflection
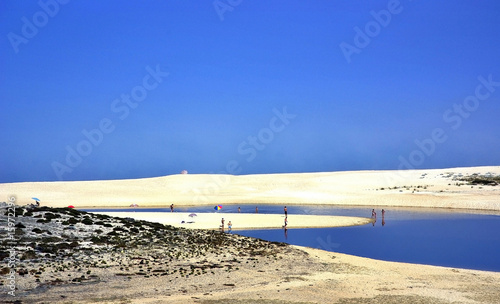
{"x":374,"y":217}
{"x":464,"y":241}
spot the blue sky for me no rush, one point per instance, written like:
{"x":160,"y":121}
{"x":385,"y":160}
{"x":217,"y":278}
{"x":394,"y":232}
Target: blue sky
{"x":128,"y":89}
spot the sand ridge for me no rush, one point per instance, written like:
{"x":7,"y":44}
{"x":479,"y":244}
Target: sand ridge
{"x":241,"y":220}
{"x":436,"y":188}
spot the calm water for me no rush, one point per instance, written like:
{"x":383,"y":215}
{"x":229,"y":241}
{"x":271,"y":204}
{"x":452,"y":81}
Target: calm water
{"x":451,"y":239}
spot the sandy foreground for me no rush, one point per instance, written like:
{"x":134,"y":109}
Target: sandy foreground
{"x":241,"y":220}
{"x":326,"y":277}
{"x":440,"y":188}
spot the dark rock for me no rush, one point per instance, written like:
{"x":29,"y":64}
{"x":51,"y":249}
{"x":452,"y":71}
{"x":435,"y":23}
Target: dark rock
{"x":20,"y":225}
{"x":37,"y":230}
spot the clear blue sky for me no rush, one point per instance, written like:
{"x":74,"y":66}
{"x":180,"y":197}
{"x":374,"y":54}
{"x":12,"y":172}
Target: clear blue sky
{"x":246,"y":87}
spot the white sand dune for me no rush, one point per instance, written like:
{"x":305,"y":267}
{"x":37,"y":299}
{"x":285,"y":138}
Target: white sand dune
{"x":411,"y":188}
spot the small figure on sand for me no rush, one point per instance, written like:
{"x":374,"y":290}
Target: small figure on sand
{"x":286,"y":223}
{"x":222,"y":226}
{"x":172,"y":208}
{"x":229,"y":226}
{"x":286,"y":211}
{"x":256,"y":209}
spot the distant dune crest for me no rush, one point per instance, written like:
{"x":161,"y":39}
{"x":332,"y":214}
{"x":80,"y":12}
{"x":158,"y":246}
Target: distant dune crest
{"x":442,"y":188}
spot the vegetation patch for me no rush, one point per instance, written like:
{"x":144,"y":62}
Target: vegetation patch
{"x":486,"y":180}
{"x":392,"y":299}
{"x":37,"y":230}
{"x":87,"y":221}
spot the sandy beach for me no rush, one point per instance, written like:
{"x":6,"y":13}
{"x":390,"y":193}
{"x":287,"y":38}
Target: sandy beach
{"x":108,"y":263}
{"x":241,"y":220}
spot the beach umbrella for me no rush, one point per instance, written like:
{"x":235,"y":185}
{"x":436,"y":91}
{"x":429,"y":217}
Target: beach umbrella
{"x":71,"y":206}
{"x":192,"y":214}
{"x":35,"y":198}
{"x":218,"y":207}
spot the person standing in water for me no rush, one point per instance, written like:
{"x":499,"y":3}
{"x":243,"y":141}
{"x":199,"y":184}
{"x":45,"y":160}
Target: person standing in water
{"x":172,"y":208}
{"x":286,"y":211}
{"x":374,"y":217}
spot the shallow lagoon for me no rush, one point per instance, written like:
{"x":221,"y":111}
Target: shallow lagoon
{"x":413,"y":235}
{"x":463,"y":241}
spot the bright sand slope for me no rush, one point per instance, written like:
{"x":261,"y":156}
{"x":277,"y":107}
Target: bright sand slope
{"x":412,"y":188}
{"x":241,"y":220}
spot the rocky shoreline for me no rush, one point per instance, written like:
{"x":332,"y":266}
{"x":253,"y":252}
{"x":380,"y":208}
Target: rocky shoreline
{"x":67,"y":247}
